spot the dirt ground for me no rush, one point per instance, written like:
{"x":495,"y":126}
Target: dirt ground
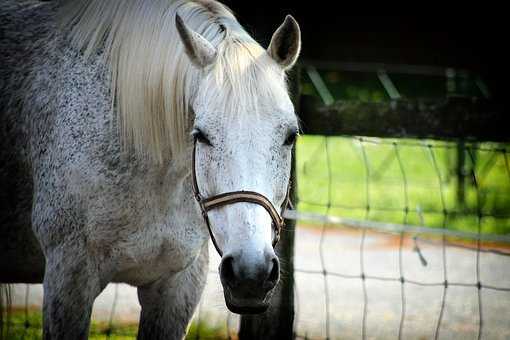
{"x":345,"y":296}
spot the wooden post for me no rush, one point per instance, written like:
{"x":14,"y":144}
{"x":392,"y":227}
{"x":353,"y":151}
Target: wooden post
{"x":278,"y":321}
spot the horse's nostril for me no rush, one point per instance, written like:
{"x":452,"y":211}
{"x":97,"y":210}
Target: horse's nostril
{"x":274,"y":275}
{"x":227,"y":271}
{"x":247,"y":278}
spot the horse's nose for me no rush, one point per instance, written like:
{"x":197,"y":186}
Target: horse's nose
{"x":250,"y":276}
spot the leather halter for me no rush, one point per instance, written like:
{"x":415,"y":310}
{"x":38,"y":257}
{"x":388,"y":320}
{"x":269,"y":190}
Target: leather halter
{"x":232,"y":197}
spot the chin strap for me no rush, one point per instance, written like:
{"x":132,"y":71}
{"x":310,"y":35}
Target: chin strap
{"x":232,"y":197}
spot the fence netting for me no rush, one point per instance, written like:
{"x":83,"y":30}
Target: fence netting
{"x":396,"y":238}
{"x":430,"y":220}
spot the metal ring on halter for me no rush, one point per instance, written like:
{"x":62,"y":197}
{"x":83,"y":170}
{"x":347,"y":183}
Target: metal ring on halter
{"x":232,"y":197}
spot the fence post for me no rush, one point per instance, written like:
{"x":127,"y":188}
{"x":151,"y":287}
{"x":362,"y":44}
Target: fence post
{"x":278,"y":321}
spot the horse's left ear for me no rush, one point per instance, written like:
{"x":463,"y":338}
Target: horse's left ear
{"x":200,"y":51}
{"x":286,"y":43}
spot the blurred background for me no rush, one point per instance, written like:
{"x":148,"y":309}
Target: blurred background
{"x":474,"y":40}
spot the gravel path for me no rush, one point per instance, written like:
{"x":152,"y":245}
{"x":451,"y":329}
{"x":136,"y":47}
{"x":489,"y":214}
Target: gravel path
{"x":341,"y":254}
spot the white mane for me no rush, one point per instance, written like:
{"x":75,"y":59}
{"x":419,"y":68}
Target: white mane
{"x":153,"y":81}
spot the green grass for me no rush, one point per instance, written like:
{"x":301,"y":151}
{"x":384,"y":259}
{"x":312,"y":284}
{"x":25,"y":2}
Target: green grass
{"x":19,"y":321}
{"x":387,"y":186}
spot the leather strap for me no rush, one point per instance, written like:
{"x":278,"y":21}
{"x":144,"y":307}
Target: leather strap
{"x":232,"y":197}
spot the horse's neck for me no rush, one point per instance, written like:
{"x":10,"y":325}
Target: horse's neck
{"x":76,"y":96}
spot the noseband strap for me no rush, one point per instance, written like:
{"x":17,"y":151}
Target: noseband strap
{"x":232,"y":197}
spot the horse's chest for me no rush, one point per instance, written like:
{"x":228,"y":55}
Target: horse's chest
{"x":156,"y":253}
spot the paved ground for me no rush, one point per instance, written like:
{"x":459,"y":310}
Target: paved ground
{"x":341,"y":253}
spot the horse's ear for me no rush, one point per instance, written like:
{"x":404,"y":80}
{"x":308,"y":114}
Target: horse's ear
{"x":200,"y":51}
{"x":286,"y":43}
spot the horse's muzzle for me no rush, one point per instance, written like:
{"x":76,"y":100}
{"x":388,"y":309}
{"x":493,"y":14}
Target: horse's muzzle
{"x":247,"y":286}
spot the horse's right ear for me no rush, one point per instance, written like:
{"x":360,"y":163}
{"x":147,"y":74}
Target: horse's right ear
{"x":200,"y":51}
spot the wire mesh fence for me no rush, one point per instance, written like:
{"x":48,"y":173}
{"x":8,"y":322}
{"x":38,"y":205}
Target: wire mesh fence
{"x":474,"y":218}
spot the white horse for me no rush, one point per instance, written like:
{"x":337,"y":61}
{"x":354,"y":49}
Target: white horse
{"x":101,"y":104}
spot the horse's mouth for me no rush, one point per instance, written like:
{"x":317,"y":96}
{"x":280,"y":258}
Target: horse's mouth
{"x":256,"y":309}
{"x":247,"y":305}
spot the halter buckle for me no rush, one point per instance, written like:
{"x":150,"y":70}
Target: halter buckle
{"x":198,"y":197}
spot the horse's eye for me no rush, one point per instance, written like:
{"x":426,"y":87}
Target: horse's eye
{"x":200,"y":136}
{"x":291,"y":138}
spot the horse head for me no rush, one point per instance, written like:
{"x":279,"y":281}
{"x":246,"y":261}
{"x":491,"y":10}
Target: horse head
{"x":244,"y":130}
